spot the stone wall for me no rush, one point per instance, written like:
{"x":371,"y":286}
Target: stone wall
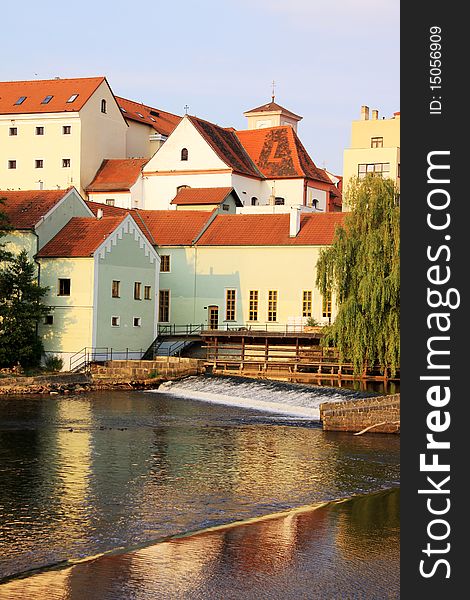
{"x":356,"y":415}
{"x":141,"y":370}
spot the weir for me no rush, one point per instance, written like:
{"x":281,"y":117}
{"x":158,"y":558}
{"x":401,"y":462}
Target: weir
{"x":301,"y":401}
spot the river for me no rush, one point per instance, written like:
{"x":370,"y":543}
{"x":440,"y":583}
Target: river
{"x":122,"y":472}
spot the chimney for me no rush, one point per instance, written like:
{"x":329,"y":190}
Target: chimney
{"x":375,"y":115}
{"x":99,"y":213}
{"x":364,"y":113}
{"x":294,"y":221}
{"x":40,"y":184}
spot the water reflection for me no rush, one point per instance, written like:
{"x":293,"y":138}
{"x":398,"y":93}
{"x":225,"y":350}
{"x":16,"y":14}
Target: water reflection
{"x":87,"y":475}
{"x":346,"y":550}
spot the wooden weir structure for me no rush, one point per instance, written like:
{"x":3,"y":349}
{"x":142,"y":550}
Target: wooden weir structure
{"x":290,"y":355}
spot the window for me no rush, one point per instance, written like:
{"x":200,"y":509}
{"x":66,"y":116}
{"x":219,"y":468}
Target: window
{"x":279,"y":201}
{"x":64,"y":287}
{"x":13,"y":131}
{"x":184,"y":154}
{"x":47,"y":99}
{"x":110,"y":201}
{"x":307,"y":303}
{"x":137,"y":290}
{"x":123,"y":109}
{"x":49,"y":320}
{"x":164,"y":306}
{"x":67,"y":129}
{"x":39,"y":163}
{"x":376,"y":142}
{"x":39,"y":130}
{"x":20,"y":100}
{"x":253,"y":314}
{"x":72,"y":98}
{"x":137,"y":322}
{"x":225,"y":207}
{"x":147,"y":292}
{"x":378,"y":169}
{"x":165,"y":263}
{"x":326,"y":308}
{"x":12,"y":164}
{"x":254,"y":201}
{"x":66,"y":162}
{"x":115,"y":321}
{"x":103,"y":105}
{"x":272,"y":305}
{"x":230,"y":307}
{"x":116,"y":289}
{"x":140,"y":115}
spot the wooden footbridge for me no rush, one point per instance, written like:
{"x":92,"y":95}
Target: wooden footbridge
{"x":290,"y":354}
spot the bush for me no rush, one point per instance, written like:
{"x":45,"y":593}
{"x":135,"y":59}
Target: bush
{"x":53,"y":363}
{"x":311,"y":322}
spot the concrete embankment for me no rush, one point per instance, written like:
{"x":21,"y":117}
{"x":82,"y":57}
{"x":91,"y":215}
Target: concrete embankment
{"x":380,"y":414}
{"x":137,"y":374}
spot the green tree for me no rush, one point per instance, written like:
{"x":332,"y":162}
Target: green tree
{"x":21,"y":308}
{"x":4,"y":228}
{"x":362,"y":268}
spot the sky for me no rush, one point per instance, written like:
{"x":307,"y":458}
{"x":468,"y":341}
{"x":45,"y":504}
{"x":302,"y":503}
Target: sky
{"x":219,"y":57}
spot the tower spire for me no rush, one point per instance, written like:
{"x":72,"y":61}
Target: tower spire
{"x":273,"y":95}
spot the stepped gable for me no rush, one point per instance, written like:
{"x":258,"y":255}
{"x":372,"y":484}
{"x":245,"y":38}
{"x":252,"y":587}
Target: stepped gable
{"x":81,"y":237}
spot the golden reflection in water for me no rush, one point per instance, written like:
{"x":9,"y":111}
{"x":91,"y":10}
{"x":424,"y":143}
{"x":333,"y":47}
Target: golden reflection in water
{"x":73,"y":460}
{"x":175,"y":568}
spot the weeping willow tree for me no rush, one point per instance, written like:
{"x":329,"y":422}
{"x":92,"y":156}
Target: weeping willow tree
{"x":362,"y":270}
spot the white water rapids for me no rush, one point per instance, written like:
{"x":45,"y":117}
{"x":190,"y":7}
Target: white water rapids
{"x":297,"y":400}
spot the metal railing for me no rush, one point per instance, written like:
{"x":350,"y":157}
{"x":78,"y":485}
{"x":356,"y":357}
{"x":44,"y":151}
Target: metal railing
{"x":88,"y":355}
{"x":172,"y":329}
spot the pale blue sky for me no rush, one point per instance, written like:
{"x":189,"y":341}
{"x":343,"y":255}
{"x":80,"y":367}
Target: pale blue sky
{"x":219,"y":57}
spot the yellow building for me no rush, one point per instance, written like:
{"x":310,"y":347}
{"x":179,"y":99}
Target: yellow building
{"x":375,"y":148}
{"x":56,"y":133}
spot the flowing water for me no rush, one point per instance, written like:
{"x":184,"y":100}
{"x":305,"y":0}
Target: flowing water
{"x":116,"y":471}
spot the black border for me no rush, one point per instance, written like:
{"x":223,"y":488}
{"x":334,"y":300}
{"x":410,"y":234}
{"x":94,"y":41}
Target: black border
{"x":422,"y":132}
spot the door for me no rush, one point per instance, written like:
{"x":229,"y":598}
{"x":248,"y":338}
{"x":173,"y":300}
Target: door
{"x":213,"y":317}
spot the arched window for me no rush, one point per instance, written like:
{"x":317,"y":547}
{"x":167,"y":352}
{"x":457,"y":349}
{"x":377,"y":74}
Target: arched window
{"x":254,"y":201}
{"x":184,"y":154}
{"x":103,"y":105}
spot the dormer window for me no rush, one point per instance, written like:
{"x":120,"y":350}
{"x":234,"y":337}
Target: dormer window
{"x":20,"y":100}
{"x":47,"y":99}
{"x":123,"y":109}
{"x":72,"y":98}
{"x":184,"y":154}
{"x":140,"y":115}
{"x":103,"y":106}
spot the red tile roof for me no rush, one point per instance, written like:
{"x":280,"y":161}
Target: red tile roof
{"x":163,"y":122}
{"x":316,"y":229}
{"x":227,"y":146}
{"x":108,"y":211}
{"x":81,"y":237}
{"x":171,"y":227}
{"x":36,"y":91}
{"x":278,"y":152}
{"x":25,"y":208}
{"x":117,"y":174}
{"x":272,"y":107}
{"x":198,"y":196}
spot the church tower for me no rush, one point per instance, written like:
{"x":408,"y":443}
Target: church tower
{"x":271,"y":115}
